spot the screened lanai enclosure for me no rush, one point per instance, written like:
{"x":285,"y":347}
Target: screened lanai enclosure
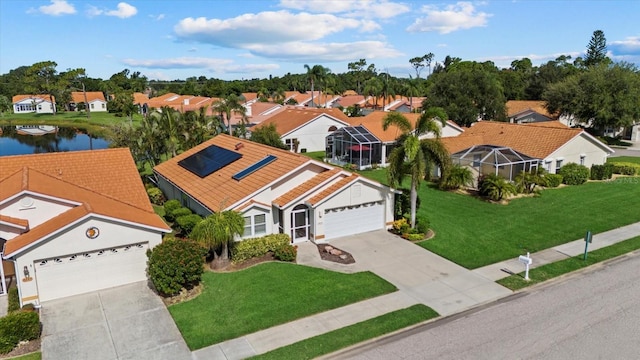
{"x":489,"y":159}
{"x":353,"y":145}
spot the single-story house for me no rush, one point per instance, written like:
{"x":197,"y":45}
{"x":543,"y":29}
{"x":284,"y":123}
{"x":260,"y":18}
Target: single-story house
{"x":305,"y":129}
{"x":74,"y":222}
{"x":544,"y":144}
{"x":276,"y":191}
{"x":39,"y":104}
{"x":94,"y":100}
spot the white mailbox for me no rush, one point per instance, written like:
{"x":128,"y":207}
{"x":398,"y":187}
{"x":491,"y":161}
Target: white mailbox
{"x":526,"y":260}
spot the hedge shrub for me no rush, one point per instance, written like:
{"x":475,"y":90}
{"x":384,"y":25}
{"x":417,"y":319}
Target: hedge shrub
{"x":624,"y":168}
{"x":169,"y":207}
{"x":13,"y":300}
{"x":18,"y":326}
{"x":601,"y":172}
{"x":176,"y":264}
{"x":286,"y":253}
{"x":186,"y":223}
{"x":182,"y":211}
{"x":155,"y":195}
{"x":574,"y":174}
{"x":255,"y":247}
{"x":553,"y":180}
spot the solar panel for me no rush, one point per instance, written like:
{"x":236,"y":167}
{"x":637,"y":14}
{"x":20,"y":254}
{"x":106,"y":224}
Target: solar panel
{"x":209,"y":160}
{"x":255,"y":167}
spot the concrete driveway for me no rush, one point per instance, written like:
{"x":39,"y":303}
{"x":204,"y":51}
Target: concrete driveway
{"x":430,"y":279}
{"x":127,"y":322}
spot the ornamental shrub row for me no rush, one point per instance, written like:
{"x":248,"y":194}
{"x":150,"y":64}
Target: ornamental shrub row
{"x":18,"y":326}
{"x":601,"y":172}
{"x":626,"y":168}
{"x":175,"y":264}
{"x":574,"y":174}
{"x":553,"y":180}
{"x":286,"y":253}
{"x":255,"y":247}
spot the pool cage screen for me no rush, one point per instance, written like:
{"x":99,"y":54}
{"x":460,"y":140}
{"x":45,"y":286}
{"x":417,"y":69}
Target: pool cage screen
{"x":353,"y":145}
{"x":489,"y":159}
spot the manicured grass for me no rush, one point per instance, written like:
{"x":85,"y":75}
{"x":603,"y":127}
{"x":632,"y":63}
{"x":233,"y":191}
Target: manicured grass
{"x":97,"y":124}
{"x":31,"y":356}
{"x":549,"y":271}
{"x":316,"y":155}
{"x":629,"y":159}
{"x":239,"y":303}
{"x":353,"y":334}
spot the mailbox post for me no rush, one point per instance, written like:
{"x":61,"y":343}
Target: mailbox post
{"x":587,"y":239}
{"x":526,"y":260}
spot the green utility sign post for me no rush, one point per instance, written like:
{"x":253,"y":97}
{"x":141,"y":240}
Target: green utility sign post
{"x":587,"y":240}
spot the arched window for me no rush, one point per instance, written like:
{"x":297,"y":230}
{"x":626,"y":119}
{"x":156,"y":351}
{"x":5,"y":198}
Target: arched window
{"x":332,"y":128}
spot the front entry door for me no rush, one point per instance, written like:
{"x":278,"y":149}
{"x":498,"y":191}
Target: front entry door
{"x":300,"y":223}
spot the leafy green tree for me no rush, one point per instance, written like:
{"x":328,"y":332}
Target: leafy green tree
{"x":268,"y":135}
{"x":42,"y":78}
{"x":315,"y":74}
{"x":5,"y":105}
{"x":596,"y":50}
{"x":549,"y":73}
{"x":415,"y":158}
{"x":122,"y":104}
{"x":373,"y":88}
{"x":218,"y":231}
{"x":357,"y":68}
{"x":228,"y":105}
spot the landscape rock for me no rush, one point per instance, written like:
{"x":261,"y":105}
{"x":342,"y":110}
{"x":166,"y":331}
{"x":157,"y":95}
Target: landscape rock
{"x":335,"y":252}
{"x":328,"y":248}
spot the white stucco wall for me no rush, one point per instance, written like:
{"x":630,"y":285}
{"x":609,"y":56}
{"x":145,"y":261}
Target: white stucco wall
{"x":74,"y":241}
{"x":40,"y":106}
{"x":312,"y":134}
{"x":34,"y":208}
{"x":98,"y":106}
{"x":572,"y":151}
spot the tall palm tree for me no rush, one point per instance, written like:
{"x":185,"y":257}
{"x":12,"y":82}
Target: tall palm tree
{"x":373,"y":87}
{"x":278,"y":96}
{"x":410,"y":89}
{"x":227,"y":106}
{"x":217,"y":230}
{"x":414,"y":157}
{"x":317,"y":73}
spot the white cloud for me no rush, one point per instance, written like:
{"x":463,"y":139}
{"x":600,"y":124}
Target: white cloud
{"x":93,"y":11}
{"x":57,"y":8}
{"x":266,"y":28}
{"x":214,"y":65}
{"x":628,"y":46}
{"x":325,"y":52}
{"x":124,"y":11}
{"x":459,"y":16}
{"x":157,"y":17}
{"x":382,"y":9}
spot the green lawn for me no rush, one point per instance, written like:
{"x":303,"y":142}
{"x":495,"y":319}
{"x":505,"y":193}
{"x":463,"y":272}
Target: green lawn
{"x":96,"y":124}
{"x":316,"y":155}
{"x":546,"y":272}
{"x":239,"y":303}
{"x":32,"y":356}
{"x":350,"y":335}
{"x":629,"y":159}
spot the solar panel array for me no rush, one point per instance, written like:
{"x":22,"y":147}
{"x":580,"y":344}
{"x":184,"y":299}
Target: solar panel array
{"x":255,"y":167}
{"x":209,"y":160}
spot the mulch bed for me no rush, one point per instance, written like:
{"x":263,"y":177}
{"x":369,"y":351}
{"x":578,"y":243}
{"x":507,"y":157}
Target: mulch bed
{"x":26,"y":348}
{"x":325,"y":255}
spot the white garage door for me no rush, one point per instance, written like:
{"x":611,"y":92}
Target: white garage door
{"x":351,"y":220}
{"x":84,"y":272}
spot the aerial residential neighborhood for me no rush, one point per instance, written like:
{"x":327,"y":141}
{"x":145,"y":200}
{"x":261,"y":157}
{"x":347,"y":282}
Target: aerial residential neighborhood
{"x":374,"y":180}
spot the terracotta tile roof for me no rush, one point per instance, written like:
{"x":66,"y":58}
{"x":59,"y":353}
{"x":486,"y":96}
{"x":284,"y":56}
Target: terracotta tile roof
{"x":23,"y":223}
{"x":31,"y":180}
{"x":250,"y":96}
{"x":554,"y":124}
{"x":251,"y":202}
{"x":262,"y":110}
{"x":332,"y":189}
{"x":78,"y":96}
{"x":349,"y":92}
{"x":43,"y":97}
{"x":228,"y":191}
{"x":305,"y":187}
{"x":350,"y":100}
{"x":535,"y":141}
{"x":515,"y":107}
{"x":459,"y":143}
{"x":140,"y":98}
{"x":294,"y":117}
{"x":373,"y":123}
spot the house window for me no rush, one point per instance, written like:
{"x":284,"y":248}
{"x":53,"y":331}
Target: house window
{"x":92,"y":106}
{"x":548,"y":165}
{"x":292,"y":144}
{"x":332,"y":128}
{"x":582,"y":159}
{"x":558,"y":165}
{"x":255,"y":225}
{"x":103,"y":106}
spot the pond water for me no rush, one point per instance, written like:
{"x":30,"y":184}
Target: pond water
{"x":35,"y":139}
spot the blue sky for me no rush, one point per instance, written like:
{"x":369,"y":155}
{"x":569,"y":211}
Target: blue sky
{"x":246,"y":39}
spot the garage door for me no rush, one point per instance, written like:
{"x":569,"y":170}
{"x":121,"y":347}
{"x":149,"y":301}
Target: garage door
{"x":351,"y":220}
{"x":84,"y":272}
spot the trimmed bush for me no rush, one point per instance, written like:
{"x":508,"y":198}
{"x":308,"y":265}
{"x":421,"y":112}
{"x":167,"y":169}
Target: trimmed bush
{"x":176,"y":264}
{"x":169,"y":207}
{"x":574,"y":174}
{"x":18,"y":326}
{"x":155,"y":195}
{"x":13,"y":300}
{"x":255,"y":247}
{"x":186,"y":223}
{"x":623,"y":168}
{"x":181,"y":211}
{"x":286,"y":253}
{"x":553,"y":180}
{"x":423,"y":225}
{"x":601,"y":172}
{"x":495,"y":187}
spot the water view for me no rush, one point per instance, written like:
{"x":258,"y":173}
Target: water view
{"x":35,"y":139}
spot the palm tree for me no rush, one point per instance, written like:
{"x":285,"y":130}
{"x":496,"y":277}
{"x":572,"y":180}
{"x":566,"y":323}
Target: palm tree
{"x":496,"y":187}
{"x":169,"y":123}
{"x":217,"y":230}
{"x":373,"y":87}
{"x":278,"y":96}
{"x":317,"y":73}
{"x":459,"y":176}
{"x":227,"y":106}
{"x":414,"y":157}
{"x":410,"y":89}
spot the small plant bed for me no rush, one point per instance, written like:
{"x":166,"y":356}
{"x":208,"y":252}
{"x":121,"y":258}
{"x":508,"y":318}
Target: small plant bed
{"x":29,"y":350}
{"x":332,"y":253}
{"x":353,"y":334}
{"x":558,"y":268}
{"x":236,"y":266}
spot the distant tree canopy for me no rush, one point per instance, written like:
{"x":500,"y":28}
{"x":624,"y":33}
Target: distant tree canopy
{"x":268,"y":135}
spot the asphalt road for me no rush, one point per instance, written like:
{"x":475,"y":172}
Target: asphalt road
{"x":590,"y":315}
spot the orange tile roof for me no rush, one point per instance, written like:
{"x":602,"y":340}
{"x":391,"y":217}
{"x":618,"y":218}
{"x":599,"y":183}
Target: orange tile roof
{"x":332,"y":189}
{"x":111,"y":172}
{"x":535,"y":141}
{"x":43,"y":97}
{"x":228,"y":191}
{"x":373,"y":123}
{"x":15,"y":221}
{"x":294,"y":117}
{"x":515,"y":107}
{"x":350,"y":100}
{"x":249,"y":96}
{"x":555,"y":124}
{"x":78,"y":96}
{"x":303,"y":188}
{"x":140,"y":98}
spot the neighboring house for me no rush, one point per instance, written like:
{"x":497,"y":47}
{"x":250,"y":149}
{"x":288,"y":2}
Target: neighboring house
{"x":528,"y":111}
{"x":182,"y":103}
{"x":548,"y":144}
{"x":74,"y":222}
{"x":275,"y":190}
{"x":95,"y":100}
{"x":305,"y":129}
{"x":405,"y":104}
{"x":39,"y":104}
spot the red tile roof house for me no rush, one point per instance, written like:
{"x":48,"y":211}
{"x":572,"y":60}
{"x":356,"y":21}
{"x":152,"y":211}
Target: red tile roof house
{"x":39,"y":104}
{"x":275,"y":190}
{"x":95,"y":100}
{"x":74,"y":222}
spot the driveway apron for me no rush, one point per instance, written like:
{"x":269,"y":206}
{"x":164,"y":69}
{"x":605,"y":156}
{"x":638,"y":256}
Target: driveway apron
{"x":127,"y":322}
{"x":430,"y":279}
